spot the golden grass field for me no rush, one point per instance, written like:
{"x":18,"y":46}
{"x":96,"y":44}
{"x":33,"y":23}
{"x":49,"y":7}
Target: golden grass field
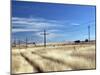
{"x":53,"y":58}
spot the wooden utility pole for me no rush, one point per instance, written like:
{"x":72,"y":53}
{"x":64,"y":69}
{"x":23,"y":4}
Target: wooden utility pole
{"x":89,"y":33}
{"x":44,"y":38}
{"x":19,"y":42}
{"x":26,"y":41}
{"x":14,"y":43}
{"x":44,"y":33}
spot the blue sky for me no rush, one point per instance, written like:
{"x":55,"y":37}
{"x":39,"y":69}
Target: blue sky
{"x":63,"y":22}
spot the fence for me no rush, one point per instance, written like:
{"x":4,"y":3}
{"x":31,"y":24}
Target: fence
{"x":26,"y":44}
{"x":23,"y":44}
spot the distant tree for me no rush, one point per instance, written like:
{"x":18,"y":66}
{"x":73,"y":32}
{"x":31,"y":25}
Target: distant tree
{"x":86,"y":40}
{"x":34,"y":43}
{"x":77,"y":41}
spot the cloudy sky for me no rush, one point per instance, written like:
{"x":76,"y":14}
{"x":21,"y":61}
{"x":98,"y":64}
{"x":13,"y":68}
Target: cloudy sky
{"x":63,"y":22}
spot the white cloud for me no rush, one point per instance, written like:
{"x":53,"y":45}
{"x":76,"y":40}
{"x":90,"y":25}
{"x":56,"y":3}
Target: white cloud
{"x":54,"y":35}
{"x":23,"y":30}
{"x":51,"y":34}
{"x":20,"y":24}
{"x":75,"y":24}
{"x":34,"y":23}
{"x":53,"y":30}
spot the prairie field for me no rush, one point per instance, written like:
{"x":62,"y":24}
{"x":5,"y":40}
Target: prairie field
{"x":53,"y":58}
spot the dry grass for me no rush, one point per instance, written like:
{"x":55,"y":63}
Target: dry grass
{"x":58,"y":58}
{"x":20,"y":65}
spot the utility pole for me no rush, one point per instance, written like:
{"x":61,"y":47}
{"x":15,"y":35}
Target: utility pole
{"x":19,"y":42}
{"x":44,"y":38}
{"x":26,"y":42}
{"x":14,"y":43}
{"x":89,"y":33}
{"x":44,"y":33}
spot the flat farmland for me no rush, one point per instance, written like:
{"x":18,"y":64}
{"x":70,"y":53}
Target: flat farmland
{"x":53,"y":58}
